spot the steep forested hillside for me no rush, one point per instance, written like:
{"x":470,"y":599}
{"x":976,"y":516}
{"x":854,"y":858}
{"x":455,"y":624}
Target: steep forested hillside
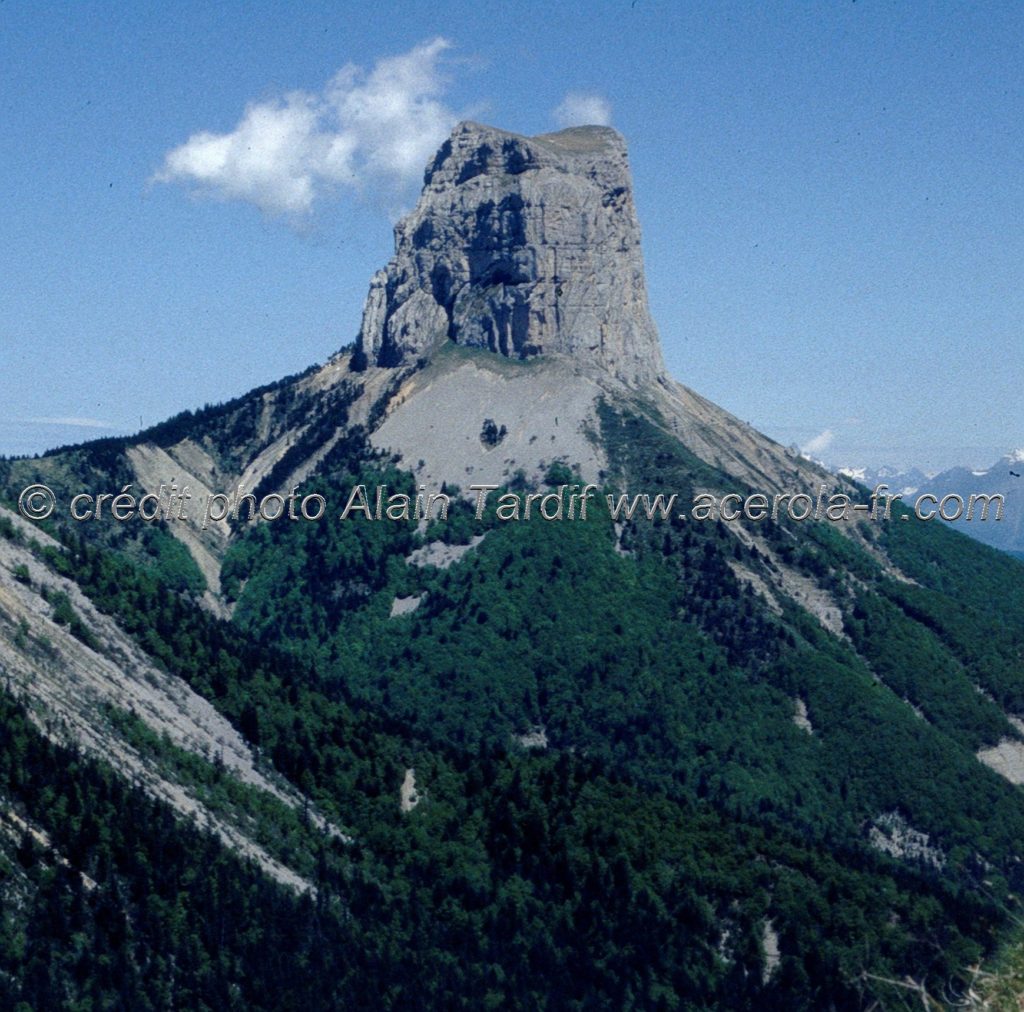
{"x":645,"y":777}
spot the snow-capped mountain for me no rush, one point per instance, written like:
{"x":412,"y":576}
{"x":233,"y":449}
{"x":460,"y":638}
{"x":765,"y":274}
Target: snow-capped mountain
{"x":1004,"y":478}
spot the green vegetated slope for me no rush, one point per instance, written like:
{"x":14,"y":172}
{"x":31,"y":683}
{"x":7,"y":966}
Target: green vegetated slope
{"x":520,"y":880}
{"x":666,"y":665}
{"x":225,"y":436}
{"x":677,"y":817}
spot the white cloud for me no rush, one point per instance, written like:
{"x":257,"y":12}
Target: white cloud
{"x":578,"y":109}
{"x":819,"y":444}
{"x":81,"y":423}
{"x":367,"y":131}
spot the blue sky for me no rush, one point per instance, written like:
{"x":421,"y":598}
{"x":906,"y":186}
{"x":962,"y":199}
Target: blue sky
{"x":832,"y":199}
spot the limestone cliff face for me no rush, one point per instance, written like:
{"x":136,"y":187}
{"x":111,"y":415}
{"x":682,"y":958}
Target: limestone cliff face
{"x":523,"y":245}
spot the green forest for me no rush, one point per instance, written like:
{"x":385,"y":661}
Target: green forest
{"x":677,"y":814}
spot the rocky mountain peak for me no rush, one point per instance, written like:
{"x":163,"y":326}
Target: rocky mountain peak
{"x":522,"y":245}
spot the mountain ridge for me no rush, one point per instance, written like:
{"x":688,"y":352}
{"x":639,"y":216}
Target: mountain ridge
{"x":787,"y":750}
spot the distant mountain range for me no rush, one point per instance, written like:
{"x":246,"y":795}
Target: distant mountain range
{"x":1005,"y":477}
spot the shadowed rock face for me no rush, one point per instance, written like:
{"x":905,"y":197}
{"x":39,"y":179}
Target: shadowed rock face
{"x":523,"y":245}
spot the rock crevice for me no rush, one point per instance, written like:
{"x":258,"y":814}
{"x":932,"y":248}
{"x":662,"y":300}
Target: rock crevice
{"x":524,"y":246}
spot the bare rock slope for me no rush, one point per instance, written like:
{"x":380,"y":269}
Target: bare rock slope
{"x":524,"y":246}
{"x":71,"y":687}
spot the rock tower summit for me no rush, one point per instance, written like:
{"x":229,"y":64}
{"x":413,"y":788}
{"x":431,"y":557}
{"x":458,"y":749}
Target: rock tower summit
{"x":525,"y":246}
